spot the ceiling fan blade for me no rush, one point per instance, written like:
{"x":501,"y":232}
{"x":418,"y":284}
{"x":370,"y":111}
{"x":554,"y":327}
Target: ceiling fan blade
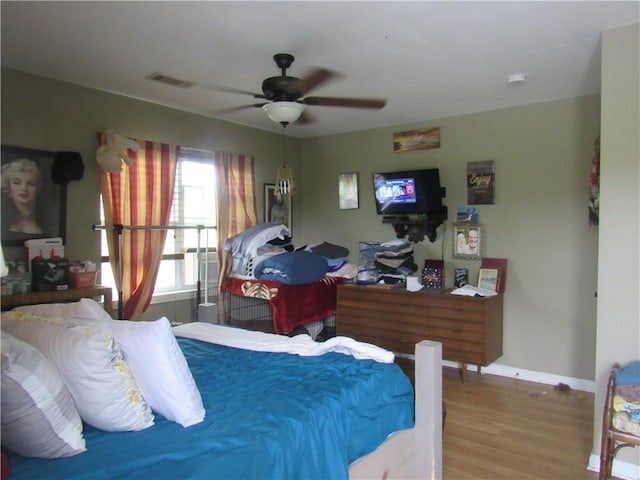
{"x":221,"y":88}
{"x":240,"y":107}
{"x":373,"y":103}
{"x":305,"y":119}
{"x":312,"y":80}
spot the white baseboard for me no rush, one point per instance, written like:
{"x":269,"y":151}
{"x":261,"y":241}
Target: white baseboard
{"x":530,"y":376}
{"x":623,"y":470}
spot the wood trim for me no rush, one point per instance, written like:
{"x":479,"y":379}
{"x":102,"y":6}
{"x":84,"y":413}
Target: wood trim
{"x":10,"y":301}
{"x":415,"y":452}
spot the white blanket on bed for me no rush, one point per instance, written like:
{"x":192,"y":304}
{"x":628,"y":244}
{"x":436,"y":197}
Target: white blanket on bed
{"x":301,"y":345}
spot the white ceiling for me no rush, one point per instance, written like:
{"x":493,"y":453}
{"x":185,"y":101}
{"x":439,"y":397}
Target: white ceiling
{"x":428,"y":59}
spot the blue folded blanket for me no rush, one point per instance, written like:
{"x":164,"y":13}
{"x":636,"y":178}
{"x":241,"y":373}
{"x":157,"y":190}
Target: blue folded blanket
{"x":629,"y":375}
{"x":292,"y":268}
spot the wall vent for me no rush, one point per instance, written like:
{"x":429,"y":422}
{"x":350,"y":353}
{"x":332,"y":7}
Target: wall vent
{"x":169,"y":80}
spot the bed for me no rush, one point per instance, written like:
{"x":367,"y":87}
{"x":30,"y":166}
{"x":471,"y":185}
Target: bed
{"x":273,"y":414}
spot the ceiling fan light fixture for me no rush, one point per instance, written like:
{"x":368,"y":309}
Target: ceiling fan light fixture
{"x":283,"y":112}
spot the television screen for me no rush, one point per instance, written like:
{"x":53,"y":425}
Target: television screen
{"x":407,"y":193}
{"x":396,"y":190}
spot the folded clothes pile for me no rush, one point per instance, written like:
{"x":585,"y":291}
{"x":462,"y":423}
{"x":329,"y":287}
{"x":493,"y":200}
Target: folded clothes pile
{"x":394,"y":261}
{"x":336,"y":255}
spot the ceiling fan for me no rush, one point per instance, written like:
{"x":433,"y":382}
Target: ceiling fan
{"x":286,"y":98}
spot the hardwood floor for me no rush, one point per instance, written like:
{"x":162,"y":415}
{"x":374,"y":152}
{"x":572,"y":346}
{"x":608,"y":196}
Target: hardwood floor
{"x":505,"y":428}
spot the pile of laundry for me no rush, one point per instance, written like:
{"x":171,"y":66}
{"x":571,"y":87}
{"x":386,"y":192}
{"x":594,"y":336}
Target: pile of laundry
{"x":626,"y":399}
{"x":337,"y":258}
{"x":266,"y":251}
{"x":386,"y":262}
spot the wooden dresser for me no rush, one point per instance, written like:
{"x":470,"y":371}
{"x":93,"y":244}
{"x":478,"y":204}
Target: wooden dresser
{"x":469,"y":328}
{"x":10,"y":301}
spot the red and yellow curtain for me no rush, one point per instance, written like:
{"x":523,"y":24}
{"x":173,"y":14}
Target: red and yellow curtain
{"x":139,"y":195}
{"x":237,"y":208}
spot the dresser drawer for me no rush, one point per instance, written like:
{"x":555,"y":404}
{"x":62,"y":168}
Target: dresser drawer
{"x":469,"y":328}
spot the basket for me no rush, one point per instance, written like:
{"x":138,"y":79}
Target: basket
{"x":82,"y":279}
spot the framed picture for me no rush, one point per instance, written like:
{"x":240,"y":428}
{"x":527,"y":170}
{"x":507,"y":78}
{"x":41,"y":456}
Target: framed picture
{"x":461,"y":277}
{"x":33,"y":206}
{"x":499,"y":264}
{"x":488,"y":278}
{"x":423,"y":139}
{"x":468,"y":240}
{"x":277,"y":209}
{"x":348,"y":191}
{"x":481,"y":182}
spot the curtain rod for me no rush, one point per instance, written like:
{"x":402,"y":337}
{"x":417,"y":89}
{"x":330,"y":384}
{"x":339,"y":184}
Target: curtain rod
{"x":119,"y":226}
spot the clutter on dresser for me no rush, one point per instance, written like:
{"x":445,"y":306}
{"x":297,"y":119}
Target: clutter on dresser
{"x":17,"y":280}
{"x":49,"y":274}
{"x":385,"y":262}
{"x":433,"y":274}
{"x":82,"y":274}
{"x":471,"y":291}
{"x":413,"y":284}
{"x":461,"y":277}
{"x":43,"y":248}
{"x":49,"y":269}
{"x":495,"y":267}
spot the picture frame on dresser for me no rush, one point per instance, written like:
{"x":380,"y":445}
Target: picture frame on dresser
{"x":488,"y":278}
{"x":33,"y":205}
{"x":499,"y":264}
{"x":468,"y":240}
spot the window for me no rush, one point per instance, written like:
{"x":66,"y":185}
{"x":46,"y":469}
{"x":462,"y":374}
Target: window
{"x":194,"y":203}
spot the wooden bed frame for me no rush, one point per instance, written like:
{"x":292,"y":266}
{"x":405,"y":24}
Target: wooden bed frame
{"x":414,"y":453}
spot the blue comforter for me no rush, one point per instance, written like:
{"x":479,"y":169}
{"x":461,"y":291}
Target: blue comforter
{"x":269,"y":416}
{"x":292,"y":268}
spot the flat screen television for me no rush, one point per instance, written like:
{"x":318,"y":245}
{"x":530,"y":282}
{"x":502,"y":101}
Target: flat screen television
{"x":408,"y":193}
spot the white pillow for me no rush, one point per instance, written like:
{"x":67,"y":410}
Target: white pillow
{"x":39,"y":418}
{"x":162,"y":372}
{"x":246,"y":243}
{"x":153,"y":354}
{"x":92,"y":365}
{"x":81,"y":310}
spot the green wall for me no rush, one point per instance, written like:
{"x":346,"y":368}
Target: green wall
{"x":539,"y":222}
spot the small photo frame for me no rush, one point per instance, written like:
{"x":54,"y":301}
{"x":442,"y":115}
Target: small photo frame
{"x":348,"y":191}
{"x":468,"y":240}
{"x":33,"y":205}
{"x":488,"y":278}
{"x":277,"y":209}
{"x":501,"y":265}
{"x":461,"y":277}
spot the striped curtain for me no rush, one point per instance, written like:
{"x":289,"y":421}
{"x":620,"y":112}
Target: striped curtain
{"x":139,"y":195}
{"x":237,"y":208}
